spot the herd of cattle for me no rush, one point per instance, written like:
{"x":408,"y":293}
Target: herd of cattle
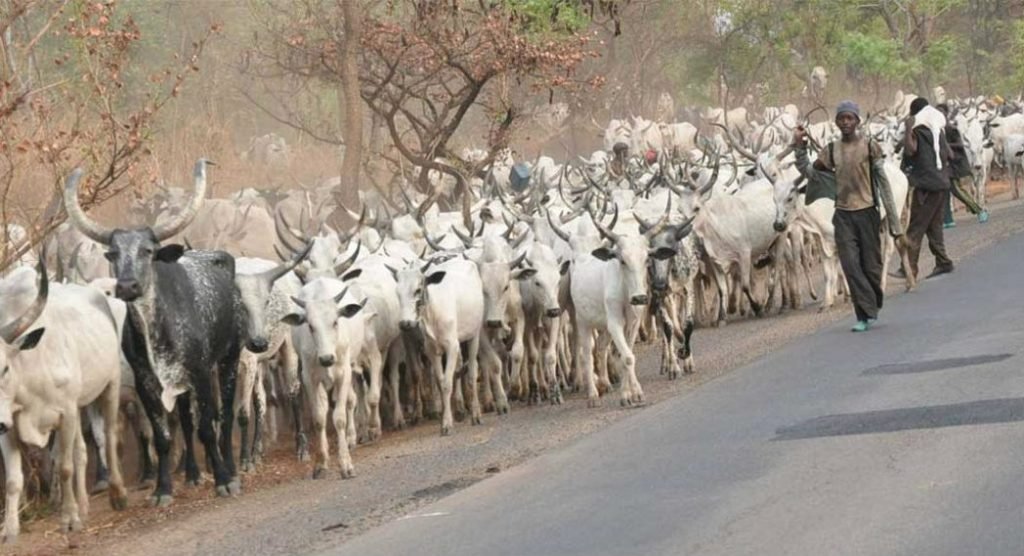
{"x":225,"y":309}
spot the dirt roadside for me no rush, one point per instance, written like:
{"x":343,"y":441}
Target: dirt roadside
{"x":282,"y":511}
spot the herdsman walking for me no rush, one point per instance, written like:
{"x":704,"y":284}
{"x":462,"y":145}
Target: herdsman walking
{"x":926,"y":157}
{"x":856,"y":167}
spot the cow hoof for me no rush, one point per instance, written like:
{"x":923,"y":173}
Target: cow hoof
{"x":302,"y":455}
{"x":161,"y":500}
{"x":246,"y":466}
{"x":502,"y":408}
{"x":194,"y":482}
{"x":446,"y":430}
{"x":10,"y":538}
{"x":625,"y":402}
{"x":592,"y":402}
{"x":71,"y":526}
{"x":477,"y":420}
{"x":721,"y":323}
{"x":235,"y":488}
{"x":348,"y":472}
{"x":118,"y":500}
{"x":318,"y":473}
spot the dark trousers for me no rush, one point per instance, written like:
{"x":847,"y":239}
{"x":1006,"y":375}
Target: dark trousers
{"x":926,"y":219}
{"x":859,"y":242}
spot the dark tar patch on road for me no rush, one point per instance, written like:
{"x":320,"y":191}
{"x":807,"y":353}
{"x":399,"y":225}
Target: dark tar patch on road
{"x":982,"y":412}
{"x":936,"y":364}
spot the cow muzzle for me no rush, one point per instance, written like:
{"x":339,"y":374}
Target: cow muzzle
{"x":128,"y":290}
{"x":494,"y":324}
{"x":408,"y":325}
{"x":553,"y":312}
{"x":326,"y":360}
{"x":638,"y":300}
{"x":659,"y":285}
{"x":779,"y":226}
{"x":257,"y":345}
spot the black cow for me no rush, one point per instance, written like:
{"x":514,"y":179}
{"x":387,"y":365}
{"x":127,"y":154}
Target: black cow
{"x":185,"y":317}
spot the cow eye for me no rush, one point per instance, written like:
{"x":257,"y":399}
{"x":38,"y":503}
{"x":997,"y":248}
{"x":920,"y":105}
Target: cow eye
{"x":110,"y":256}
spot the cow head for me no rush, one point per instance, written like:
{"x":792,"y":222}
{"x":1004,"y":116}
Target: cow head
{"x":630,"y":252}
{"x":542,"y":285}
{"x":785,"y":193}
{"x":413,"y":283}
{"x":132,"y":253}
{"x":322,"y":312}
{"x":497,"y":279}
{"x":255,"y":289}
{"x":662,"y":246}
{"x":17,"y":337}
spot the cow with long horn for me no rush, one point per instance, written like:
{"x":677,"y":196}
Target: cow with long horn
{"x":185,"y":318}
{"x":59,"y":354}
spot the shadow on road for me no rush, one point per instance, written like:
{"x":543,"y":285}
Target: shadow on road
{"x":982,"y":412}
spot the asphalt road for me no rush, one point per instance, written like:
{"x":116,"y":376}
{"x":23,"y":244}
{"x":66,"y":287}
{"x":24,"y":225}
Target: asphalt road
{"x":905,"y":440}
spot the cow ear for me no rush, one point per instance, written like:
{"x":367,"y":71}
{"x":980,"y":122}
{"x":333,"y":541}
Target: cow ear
{"x":564,"y":268}
{"x":524,"y":273}
{"x":988,"y":145}
{"x":293,"y":319}
{"x":663,"y":253}
{"x":350,"y":310}
{"x":351,"y":274}
{"x":603,"y":253}
{"x":170,"y":253}
{"x":435,"y":278}
{"x":31,"y":339}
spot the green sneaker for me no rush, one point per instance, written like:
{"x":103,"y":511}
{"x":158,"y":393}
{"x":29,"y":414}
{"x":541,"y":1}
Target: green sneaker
{"x":983,"y":217}
{"x":949,"y":225}
{"x":861,"y":326}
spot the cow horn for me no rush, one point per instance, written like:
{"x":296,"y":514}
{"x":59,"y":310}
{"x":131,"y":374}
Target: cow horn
{"x":736,"y":146}
{"x":92,"y":229}
{"x":518,"y":261}
{"x":12,"y":330}
{"x":467,"y":240}
{"x":341,"y":267}
{"x":510,"y":225}
{"x":73,"y":261}
{"x":605,"y":232}
{"x":558,"y":231}
{"x":280,"y":270}
{"x":299,"y":302}
{"x":280,"y":227}
{"x":340,"y":296}
{"x":651,"y":230}
{"x":434,"y":244}
{"x":185,"y":217}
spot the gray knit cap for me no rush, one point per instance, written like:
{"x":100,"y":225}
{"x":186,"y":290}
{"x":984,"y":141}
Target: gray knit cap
{"x":848,"y":106}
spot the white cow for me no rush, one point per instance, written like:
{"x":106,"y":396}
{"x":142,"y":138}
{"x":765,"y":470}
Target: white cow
{"x":608,"y":285}
{"x":60,"y":353}
{"x":445,"y":301}
{"x":329,"y":332}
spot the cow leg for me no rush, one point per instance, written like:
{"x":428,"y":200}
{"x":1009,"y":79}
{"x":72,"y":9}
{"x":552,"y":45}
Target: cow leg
{"x":99,"y":440}
{"x":203,"y":391}
{"x":184,"y":405}
{"x":471,"y":379}
{"x":12,"y":487}
{"x":491,"y":364}
{"x":243,"y":405}
{"x":375,"y":362}
{"x":259,"y":413}
{"x":632,"y":393}
{"x":342,"y":417}
{"x":110,"y":400}
{"x":80,"y":461}
{"x":553,"y":330}
{"x":67,"y":435}
{"x":688,"y":326}
{"x":395,"y":378}
{"x":228,"y":379}
{"x":585,"y":352}
{"x":530,"y":366}
{"x":722,"y":285}
{"x":319,"y":406}
{"x":745,"y":269}
{"x":604,"y":381}
{"x":445,"y":377}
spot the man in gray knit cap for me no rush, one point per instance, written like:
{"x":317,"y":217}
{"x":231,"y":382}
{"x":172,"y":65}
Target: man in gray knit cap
{"x":856,"y":164}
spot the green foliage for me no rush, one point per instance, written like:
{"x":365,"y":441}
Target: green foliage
{"x":876,"y":56}
{"x":542,"y":17}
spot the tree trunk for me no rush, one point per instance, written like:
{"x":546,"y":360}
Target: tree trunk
{"x":352,"y":110}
